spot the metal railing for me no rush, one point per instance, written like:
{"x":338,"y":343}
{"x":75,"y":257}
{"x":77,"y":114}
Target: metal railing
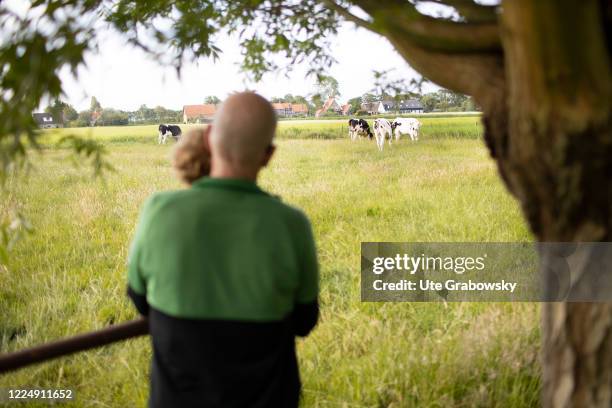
{"x":18,"y":359}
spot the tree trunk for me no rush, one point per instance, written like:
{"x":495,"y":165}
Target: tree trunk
{"x":552,"y":139}
{"x":546,"y":97}
{"x":577,"y":355}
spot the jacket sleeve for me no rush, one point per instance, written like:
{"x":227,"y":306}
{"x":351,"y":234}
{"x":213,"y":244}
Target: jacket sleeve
{"x":306,"y":309}
{"x":140,"y":301}
{"x":305,"y":317}
{"x":137,"y":286}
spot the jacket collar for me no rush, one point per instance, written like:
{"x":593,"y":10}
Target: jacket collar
{"x":228,"y":184}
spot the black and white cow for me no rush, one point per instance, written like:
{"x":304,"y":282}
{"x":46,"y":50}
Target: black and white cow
{"x":382,"y":131}
{"x":359,"y":127}
{"x":166,"y":131}
{"x":406,"y":126}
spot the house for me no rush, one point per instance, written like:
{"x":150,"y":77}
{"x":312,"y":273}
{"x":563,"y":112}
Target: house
{"x":286,"y":109}
{"x":346,"y":109}
{"x":411,"y":106}
{"x":299,"y":109}
{"x":282,"y":108}
{"x":407,"y":106}
{"x":389,"y":106}
{"x":330,"y":105}
{"x":95,"y":116}
{"x":45,"y":120}
{"x":199,"y":113}
{"x":373,"y":108}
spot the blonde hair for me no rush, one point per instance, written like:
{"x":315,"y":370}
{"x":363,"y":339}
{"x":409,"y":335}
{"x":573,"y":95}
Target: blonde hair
{"x":191,"y":157}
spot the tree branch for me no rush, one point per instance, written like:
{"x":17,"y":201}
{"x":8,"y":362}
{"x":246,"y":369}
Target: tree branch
{"x":471,"y":11}
{"x":465,"y":57}
{"x":479,"y":75}
{"x":392,"y":17}
{"x":347,"y":15}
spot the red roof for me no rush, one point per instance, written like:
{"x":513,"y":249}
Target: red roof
{"x":95,"y":115}
{"x":196,"y":111}
{"x":345,"y":109}
{"x":326,"y":106}
{"x":293,"y":107}
{"x":299,"y":108}
{"x":281,"y":105}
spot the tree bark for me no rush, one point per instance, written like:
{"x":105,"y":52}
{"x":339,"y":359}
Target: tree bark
{"x":556,"y":158}
{"x":577,"y":355}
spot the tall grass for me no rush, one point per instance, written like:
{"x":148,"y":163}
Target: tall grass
{"x":462,"y":127}
{"x":69,"y":276}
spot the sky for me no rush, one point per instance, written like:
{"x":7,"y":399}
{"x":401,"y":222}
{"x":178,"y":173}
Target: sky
{"x":123,"y":77}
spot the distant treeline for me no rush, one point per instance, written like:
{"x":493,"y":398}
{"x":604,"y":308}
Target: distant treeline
{"x":443,"y":101}
{"x":64,"y":114}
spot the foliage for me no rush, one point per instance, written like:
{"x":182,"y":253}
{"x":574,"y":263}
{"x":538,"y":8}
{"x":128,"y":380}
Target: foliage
{"x":177,"y":31}
{"x":69,"y":113}
{"x":445,"y":100}
{"x":145,"y":114}
{"x":212,"y":100}
{"x":327,"y":87}
{"x":289,"y":98}
{"x":158,"y":114}
{"x":82,"y":120}
{"x":31,"y":56}
{"x":369,"y":97}
{"x":397,"y":89}
{"x":355,"y":104}
{"x":429,"y":101}
{"x":316,"y":100}
{"x":62,"y":112}
{"x":112,"y":117}
{"x":94,"y":105}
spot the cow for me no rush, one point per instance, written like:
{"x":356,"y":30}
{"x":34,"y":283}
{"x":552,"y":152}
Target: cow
{"x":382,"y":131}
{"x":407,"y":126}
{"x":352,"y":127}
{"x":359,"y":127}
{"x":166,"y":131}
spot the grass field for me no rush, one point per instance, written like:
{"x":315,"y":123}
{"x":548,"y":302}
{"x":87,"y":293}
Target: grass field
{"x":460,"y":127}
{"x":69,"y":276}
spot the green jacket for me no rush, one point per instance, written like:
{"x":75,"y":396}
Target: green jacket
{"x":223,"y":249}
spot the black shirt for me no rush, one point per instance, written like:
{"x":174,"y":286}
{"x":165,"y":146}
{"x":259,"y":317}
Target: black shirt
{"x":224,"y":363}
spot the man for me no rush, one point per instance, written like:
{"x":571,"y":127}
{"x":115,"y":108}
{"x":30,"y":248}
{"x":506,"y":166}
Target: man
{"x":227,"y":275}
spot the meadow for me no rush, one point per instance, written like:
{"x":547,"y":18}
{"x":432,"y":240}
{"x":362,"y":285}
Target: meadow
{"x":463,"y":127}
{"x":68,"y":276}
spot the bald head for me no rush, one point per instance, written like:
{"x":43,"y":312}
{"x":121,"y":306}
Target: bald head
{"x":243,"y":130}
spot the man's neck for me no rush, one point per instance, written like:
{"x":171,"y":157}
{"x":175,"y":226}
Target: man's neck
{"x":223,"y":170}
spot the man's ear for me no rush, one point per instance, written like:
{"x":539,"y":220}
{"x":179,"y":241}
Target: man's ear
{"x":206,"y":136}
{"x":269,"y":152}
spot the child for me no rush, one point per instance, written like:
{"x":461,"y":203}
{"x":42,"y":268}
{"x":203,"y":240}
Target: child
{"x":191,"y":158}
